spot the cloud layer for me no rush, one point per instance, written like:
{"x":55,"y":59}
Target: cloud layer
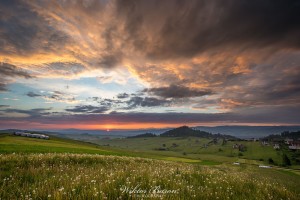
{"x":197,"y":56}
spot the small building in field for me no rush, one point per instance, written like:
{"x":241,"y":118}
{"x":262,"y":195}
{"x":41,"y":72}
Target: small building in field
{"x":264,"y":166}
{"x":288,"y":141}
{"x":276,"y":146}
{"x":240,"y":147}
{"x":26,"y":134}
{"x":294,"y":145}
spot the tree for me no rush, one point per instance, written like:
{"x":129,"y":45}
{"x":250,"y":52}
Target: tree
{"x":285,"y":160}
{"x":224,"y":142}
{"x":271,"y":161}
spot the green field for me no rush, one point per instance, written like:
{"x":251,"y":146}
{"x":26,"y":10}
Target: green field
{"x":68,"y":169}
{"x":90,"y":176}
{"x":17,"y":144}
{"x":189,"y":149}
{"x":193,"y":148}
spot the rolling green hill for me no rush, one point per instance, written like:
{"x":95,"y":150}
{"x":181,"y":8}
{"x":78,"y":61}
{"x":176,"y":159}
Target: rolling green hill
{"x":90,"y":176}
{"x":185,"y":131}
{"x":207,"y":149}
{"x":17,"y":144}
{"x":59,"y":168}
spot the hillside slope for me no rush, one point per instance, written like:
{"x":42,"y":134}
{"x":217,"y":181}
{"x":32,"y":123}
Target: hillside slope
{"x":185,"y":131}
{"x":83,"y":176}
{"x":17,"y":144}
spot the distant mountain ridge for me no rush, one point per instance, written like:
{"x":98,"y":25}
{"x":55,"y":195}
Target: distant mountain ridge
{"x":284,"y":135}
{"x":248,"y":131}
{"x":243,"y":132}
{"x":143,"y":135}
{"x":185,"y":131}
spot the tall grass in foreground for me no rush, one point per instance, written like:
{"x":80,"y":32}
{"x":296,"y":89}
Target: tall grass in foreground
{"x":82,"y":176}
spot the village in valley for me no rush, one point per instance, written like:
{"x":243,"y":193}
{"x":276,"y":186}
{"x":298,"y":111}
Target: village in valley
{"x":31,"y":135}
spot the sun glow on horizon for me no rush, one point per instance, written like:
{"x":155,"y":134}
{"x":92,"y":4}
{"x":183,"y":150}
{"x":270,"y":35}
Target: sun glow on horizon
{"x":130,"y":126}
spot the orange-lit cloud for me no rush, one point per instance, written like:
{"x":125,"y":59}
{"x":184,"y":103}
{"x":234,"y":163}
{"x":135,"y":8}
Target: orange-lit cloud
{"x":192,"y":56}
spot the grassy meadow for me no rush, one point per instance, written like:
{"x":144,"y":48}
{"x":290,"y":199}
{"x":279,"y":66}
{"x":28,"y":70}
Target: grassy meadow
{"x":67,"y":169}
{"x":16,"y":144}
{"x":86,"y":176}
{"x":193,"y":148}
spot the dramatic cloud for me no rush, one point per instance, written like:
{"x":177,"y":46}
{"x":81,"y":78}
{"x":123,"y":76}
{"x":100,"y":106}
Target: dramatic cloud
{"x":122,"y":96}
{"x":8,"y":71}
{"x":184,"y":29}
{"x":24,"y":32}
{"x":58,"y":96}
{"x":88,"y":109}
{"x":224,"y":59}
{"x":32,"y":94}
{"x":55,"y":96}
{"x":3,"y":106}
{"x":109,"y":102}
{"x":134,"y":102}
{"x":33,"y":113}
{"x":2,"y":87}
{"x":254,"y":116}
{"x":176,"y":91}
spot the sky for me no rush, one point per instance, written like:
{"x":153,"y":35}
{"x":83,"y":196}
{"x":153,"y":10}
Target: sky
{"x":135,"y":64}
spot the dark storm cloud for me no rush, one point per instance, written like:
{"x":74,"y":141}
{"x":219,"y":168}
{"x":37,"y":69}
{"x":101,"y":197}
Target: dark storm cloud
{"x":9,"y":71}
{"x":109,"y":102}
{"x":241,"y":56}
{"x":177,"y":91}
{"x":33,"y":94}
{"x":93,"y":99}
{"x":243,"y":53}
{"x":124,"y":102}
{"x":3,"y":87}
{"x":57,"y":96}
{"x":88,"y":109}
{"x":36,"y":112}
{"x":185,"y":28}
{"x":109,"y":61}
{"x":279,"y":115}
{"x":122,"y":96}
{"x":134,"y":102}
{"x":268,"y":84}
{"x":4,"y":106}
{"x":23,"y":31}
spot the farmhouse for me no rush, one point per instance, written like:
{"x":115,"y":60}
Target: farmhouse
{"x":25,"y":134}
{"x":288,"y":141}
{"x":240,"y":147}
{"x":264,"y":166}
{"x":294,"y":145}
{"x":276,"y":146}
